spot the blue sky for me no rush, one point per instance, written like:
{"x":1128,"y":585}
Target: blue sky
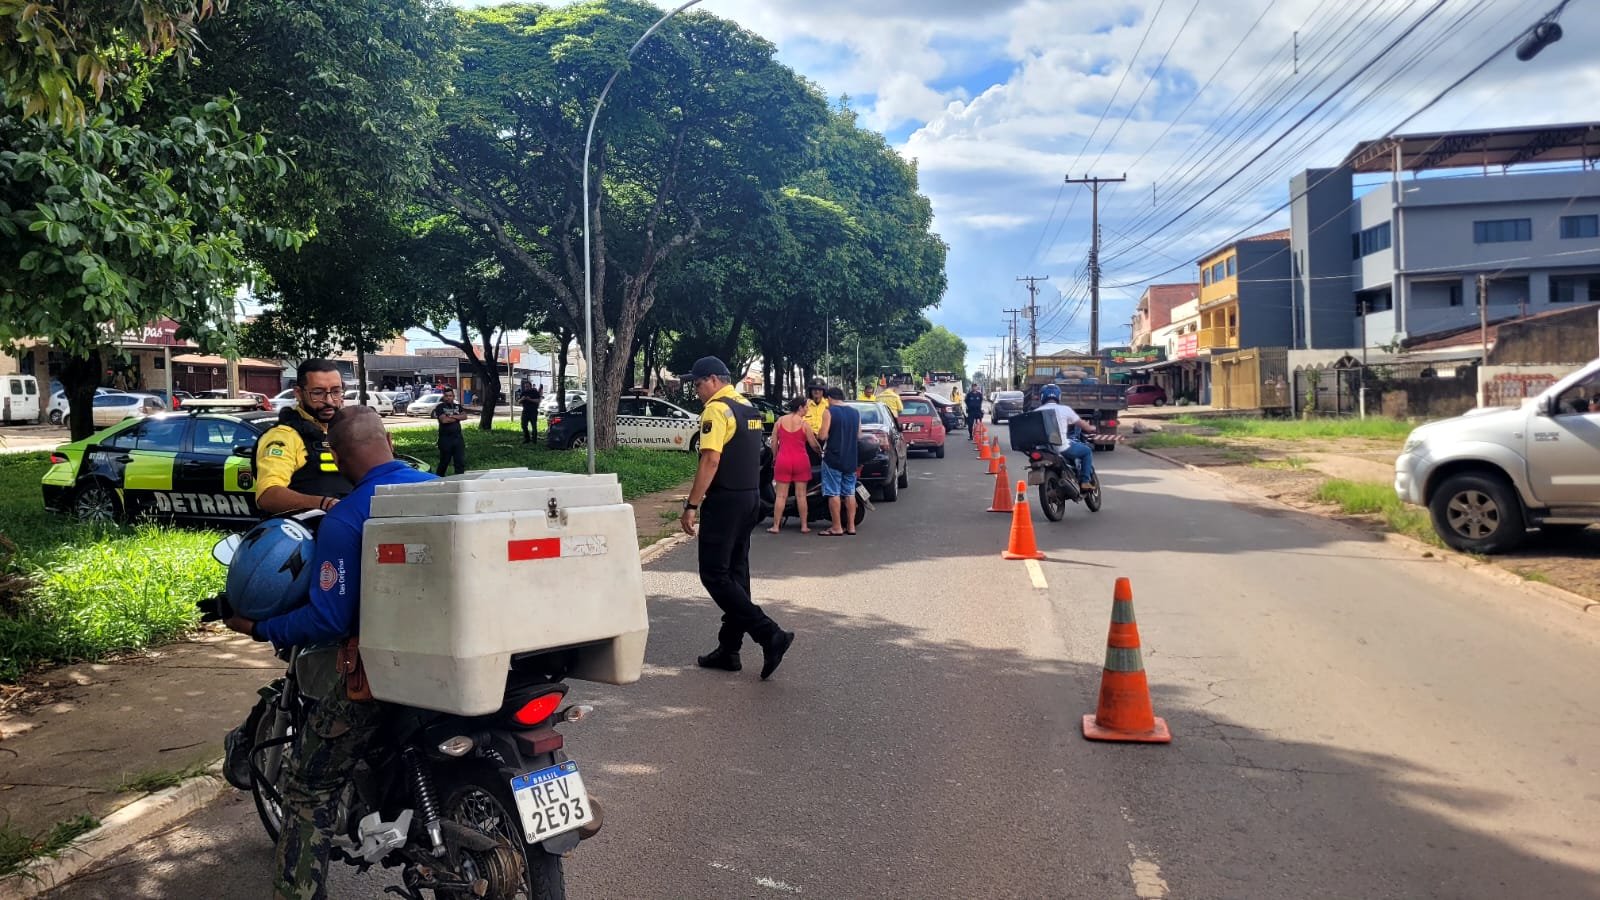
{"x":998,"y":100}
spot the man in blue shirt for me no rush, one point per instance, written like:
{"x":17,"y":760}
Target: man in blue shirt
{"x":839,"y":463}
{"x":340,"y":728}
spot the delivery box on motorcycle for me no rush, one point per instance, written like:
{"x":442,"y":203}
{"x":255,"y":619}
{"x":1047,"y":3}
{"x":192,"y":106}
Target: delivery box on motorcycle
{"x":462,"y":574}
{"x":1035,"y":429}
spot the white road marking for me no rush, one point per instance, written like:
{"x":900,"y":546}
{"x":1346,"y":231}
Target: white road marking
{"x":1036,"y":573}
{"x":1147,"y":881}
{"x":771,"y":884}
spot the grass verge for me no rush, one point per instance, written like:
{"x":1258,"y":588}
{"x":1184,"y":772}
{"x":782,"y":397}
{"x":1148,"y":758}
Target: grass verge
{"x":1305,"y":429}
{"x":1371,"y":498}
{"x":71,"y":592}
{"x":17,"y":849}
{"x":159,"y":779}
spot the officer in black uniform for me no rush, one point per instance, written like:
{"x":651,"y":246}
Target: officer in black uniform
{"x":294,"y":467}
{"x":726,"y":490}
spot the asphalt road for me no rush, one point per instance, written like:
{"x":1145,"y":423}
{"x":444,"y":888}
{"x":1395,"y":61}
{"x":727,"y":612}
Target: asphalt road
{"x":1350,"y":721}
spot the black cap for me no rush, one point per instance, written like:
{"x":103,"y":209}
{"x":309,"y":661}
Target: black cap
{"x":707,"y":365}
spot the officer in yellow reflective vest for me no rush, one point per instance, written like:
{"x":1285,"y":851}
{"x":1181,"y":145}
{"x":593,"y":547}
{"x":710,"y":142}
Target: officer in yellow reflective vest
{"x":294,"y":467}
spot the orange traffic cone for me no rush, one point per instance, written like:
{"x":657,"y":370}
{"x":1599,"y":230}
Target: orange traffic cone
{"x":984,"y":452}
{"x":1124,"y":712}
{"x":1022,"y":545}
{"x":1002,"y":502}
{"x":996,"y":457}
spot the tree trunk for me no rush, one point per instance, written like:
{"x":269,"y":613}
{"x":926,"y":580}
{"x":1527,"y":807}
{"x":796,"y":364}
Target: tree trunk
{"x":79,"y":377}
{"x":564,"y":338}
{"x":650,"y":348}
{"x":488,"y":372}
{"x":361,"y":372}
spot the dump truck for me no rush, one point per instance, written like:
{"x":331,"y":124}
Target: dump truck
{"x":1081,"y":380}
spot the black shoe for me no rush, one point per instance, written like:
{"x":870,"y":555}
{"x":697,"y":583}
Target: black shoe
{"x":236,"y":759}
{"x":720,"y":659}
{"x":773,"y":653}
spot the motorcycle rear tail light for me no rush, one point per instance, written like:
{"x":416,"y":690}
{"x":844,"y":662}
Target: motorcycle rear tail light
{"x":1036,"y":456}
{"x":538,"y":709}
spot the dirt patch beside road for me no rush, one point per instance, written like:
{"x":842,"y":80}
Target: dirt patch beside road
{"x":1295,"y":473}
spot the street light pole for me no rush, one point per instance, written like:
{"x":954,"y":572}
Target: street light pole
{"x":588,"y":257}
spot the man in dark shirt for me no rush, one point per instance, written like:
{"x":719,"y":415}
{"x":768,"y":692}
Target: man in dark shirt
{"x":974,"y":408}
{"x":452,"y":445}
{"x":530,"y":412}
{"x":839,"y":463}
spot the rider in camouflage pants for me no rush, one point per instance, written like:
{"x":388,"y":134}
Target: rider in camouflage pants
{"x":335,"y":737}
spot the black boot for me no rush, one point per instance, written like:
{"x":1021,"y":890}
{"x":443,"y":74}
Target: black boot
{"x":726,"y":660}
{"x":773,"y":653}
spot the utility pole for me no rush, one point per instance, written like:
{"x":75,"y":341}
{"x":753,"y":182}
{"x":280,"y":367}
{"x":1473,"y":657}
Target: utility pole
{"x":1013,"y":314}
{"x":1033,"y":311}
{"x":1094,"y":257}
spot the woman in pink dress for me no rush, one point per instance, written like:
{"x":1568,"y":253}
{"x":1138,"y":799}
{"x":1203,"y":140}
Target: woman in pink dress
{"x":791,"y":434}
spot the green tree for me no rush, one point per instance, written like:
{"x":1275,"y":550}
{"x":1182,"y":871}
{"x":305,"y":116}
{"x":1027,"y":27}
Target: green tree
{"x":54,"y":55}
{"x":938,"y":350}
{"x":699,"y":129}
{"x":116,"y":225}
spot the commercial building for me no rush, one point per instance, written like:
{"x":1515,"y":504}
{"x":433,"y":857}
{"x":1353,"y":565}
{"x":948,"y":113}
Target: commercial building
{"x":1245,"y":294}
{"x":1403,"y":260}
{"x":1154,"y":311}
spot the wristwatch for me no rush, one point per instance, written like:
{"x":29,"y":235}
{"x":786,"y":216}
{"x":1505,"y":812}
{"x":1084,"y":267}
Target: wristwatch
{"x":688,"y":506}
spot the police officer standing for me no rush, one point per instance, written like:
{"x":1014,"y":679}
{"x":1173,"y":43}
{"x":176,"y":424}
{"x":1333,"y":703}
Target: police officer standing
{"x":294,"y":467}
{"x":726,"y":493}
{"x":452,"y":444}
{"x":530,"y":398}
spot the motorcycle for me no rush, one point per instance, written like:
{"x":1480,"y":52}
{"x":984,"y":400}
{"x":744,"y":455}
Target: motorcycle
{"x":1058,"y":479}
{"x":816,"y":504}
{"x":482,"y":807}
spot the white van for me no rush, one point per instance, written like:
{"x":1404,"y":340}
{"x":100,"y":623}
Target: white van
{"x":19,"y":399}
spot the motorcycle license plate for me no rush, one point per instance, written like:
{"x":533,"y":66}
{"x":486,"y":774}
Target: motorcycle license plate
{"x":552,"y":801}
{"x":1035,"y":476}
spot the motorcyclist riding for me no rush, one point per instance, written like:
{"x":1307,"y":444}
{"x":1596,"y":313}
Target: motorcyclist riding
{"x":1077,"y":450}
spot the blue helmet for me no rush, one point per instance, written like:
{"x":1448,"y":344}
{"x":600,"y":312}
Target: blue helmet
{"x":271,"y":570}
{"x":1049,"y":394}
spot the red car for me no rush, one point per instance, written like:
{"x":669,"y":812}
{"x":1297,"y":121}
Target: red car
{"x":921,"y":425}
{"x":1147,"y":395}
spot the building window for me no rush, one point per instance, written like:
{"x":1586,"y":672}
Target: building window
{"x":1205,"y":277}
{"x":1455,"y":295}
{"x":1575,"y":289}
{"x":1371,"y":240}
{"x":1500,"y":231}
{"x":1580,"y":226}
{"x":1231,"y":261}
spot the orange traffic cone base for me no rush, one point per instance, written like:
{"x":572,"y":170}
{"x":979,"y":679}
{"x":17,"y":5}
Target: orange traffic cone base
{"x":1007,"y":554}
{"x":1157,"y":735}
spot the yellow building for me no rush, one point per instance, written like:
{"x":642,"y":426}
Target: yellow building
{"x":1246,"y":278}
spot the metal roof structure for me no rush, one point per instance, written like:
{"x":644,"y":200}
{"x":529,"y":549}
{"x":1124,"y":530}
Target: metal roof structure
{"x":1502,"y":147}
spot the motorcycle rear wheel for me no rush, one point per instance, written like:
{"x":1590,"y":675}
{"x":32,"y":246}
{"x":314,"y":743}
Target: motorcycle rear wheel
{"x":1052,"y":499}
{"x":273,"y":762}
{"x":479,"y":799}
{"x":1092,"y":499}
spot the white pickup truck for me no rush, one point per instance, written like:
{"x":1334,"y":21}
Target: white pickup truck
{"x":1492,"y":474}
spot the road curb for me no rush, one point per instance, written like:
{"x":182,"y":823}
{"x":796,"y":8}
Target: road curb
{"x":1483,"y":569}
{"x":659,"y":548}
{"x":120,"y":830}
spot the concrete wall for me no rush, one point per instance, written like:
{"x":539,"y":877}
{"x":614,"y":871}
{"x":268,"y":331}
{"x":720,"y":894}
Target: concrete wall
{"x":1571,"y":338}
{"x":1320,"y":221}
{"x":1266,"y":296}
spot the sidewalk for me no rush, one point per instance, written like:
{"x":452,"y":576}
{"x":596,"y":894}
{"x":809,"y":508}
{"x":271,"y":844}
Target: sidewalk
{"x":72,"y":739}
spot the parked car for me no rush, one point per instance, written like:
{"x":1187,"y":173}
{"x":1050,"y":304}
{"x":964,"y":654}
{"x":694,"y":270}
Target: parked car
{"x":1004,"y":405}
{"x":1147,"y":395}
{"x":550,"y":403}
{"x":109,"y":409}
{"x":193,"y":468}
{"x":1490,"y":475}
{"x":59,"y":408}
{"x":282,"y":400}
{"x":885,"y":474}
{"x":954,"y":415}
{"x":424,"y":405}
{"x":641,"y":422}
{"x":401,"y":399}
{"x":375,"y":399}
{"x":173,"y":402}
{"x":19,"y":399}
{"x":921,"y":425}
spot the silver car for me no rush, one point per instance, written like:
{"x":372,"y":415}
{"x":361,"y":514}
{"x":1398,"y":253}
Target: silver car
{"x":1490,"y":475}
{"x":424,"y":405}
{"x":109,"y":409}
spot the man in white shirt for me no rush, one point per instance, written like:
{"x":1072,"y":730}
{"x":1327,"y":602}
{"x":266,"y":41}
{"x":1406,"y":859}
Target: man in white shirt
{"x":1066,"y":416}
